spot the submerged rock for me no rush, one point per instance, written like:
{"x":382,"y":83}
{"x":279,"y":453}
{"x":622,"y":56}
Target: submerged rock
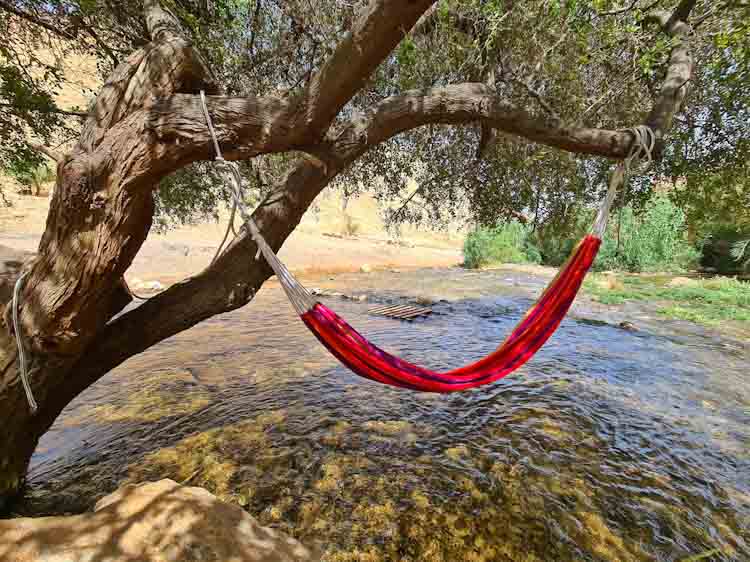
{"x":609,"y":282}
{"x":681,"y":282}
{"x":156,"y":522}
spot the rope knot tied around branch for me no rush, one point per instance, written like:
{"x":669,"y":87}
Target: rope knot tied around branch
{"x":640,"y":154}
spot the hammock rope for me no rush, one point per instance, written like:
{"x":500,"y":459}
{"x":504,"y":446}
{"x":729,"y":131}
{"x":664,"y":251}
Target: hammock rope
{"x":368,"y":361}
{"x":23,"y":365}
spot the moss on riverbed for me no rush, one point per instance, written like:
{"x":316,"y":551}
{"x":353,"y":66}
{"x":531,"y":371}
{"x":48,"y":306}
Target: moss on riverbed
{"x":342,"y":497}
{"x":169,"y":393}
{"x":704,"y":301}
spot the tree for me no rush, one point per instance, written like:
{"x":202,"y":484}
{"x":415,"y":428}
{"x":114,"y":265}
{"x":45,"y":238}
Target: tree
{"x":336,"y":106}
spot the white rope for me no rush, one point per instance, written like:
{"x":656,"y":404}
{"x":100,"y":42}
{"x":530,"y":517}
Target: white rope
{"x":300,"y":298}
{"x":21,"y":351}
{"x":640,"y":152}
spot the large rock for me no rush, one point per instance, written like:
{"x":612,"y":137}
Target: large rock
{"x":156,"y":522}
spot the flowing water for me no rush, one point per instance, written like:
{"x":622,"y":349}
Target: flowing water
{"x":608,"y":445}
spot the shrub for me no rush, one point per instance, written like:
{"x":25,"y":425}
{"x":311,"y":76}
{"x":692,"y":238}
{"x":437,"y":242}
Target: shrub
{"x":655,"y":240}
{"x":505,"y":243}
{"x":719,"y":247}
{"x":741,"y":253}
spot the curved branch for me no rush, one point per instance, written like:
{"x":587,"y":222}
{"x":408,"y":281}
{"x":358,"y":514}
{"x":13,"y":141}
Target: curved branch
{"x":467,"y":103}
{"x":227,"y":284}
{"x":679,"y":71}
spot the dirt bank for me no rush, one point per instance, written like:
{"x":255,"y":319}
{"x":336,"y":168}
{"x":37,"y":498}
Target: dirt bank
{"x":324,"y":242}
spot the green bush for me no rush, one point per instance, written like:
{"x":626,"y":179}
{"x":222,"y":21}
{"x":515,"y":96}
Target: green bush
{"x":506,"y":243}
{"x":34,"y":177}
{"x":741,"y":253}
{"x":654,"y":240}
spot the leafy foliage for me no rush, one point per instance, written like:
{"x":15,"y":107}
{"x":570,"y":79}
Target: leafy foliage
{"x":720,"y":244}
{"x":575,"y":62}
{"x":741,"y":253}
{"x":506,"y":243}
{"x":36,"y":177}
{"x":655,"y":240}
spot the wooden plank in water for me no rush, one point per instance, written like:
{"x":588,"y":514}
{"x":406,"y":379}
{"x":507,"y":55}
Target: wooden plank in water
{"x":421,"y":312}
{"x":380,"y":309}
{"x":393,"y":309}
{"x":401,"y":311}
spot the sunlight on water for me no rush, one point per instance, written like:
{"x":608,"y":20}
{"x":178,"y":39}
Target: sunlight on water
{"x":608,"y":445}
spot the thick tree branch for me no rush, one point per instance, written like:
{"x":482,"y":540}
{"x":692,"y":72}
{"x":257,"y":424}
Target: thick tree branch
{"x":157,"y":70}
{"x":374,"y":35}
{"x":679,"y":71}
{"x":467,"y":103}
{"x":245,"y":127}
{"x":229,"y":283}
{"x":95,"y":228}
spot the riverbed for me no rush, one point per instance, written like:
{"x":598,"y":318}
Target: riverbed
{"x":610,"y":444}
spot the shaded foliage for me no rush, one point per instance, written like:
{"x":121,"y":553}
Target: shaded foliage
{"x":506,"y":243}
{"x":572,"y":62}
{"x":653,"y":239}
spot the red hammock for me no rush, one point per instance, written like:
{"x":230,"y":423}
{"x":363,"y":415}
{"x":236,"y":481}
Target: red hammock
{"x":369,"y":361}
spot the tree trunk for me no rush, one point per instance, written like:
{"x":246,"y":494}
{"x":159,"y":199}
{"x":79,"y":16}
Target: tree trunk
{"x":19,"y":435}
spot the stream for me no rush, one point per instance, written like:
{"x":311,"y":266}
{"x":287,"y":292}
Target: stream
{"x":609,"y":444}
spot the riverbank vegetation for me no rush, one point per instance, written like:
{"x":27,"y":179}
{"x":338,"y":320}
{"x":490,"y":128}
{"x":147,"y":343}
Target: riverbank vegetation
{"x":704,"y":301}
{"x":652,"y":240}
{"x":643,"y":251}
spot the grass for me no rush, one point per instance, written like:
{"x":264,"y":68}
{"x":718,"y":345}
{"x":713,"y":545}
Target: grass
{"x":708,"y":302}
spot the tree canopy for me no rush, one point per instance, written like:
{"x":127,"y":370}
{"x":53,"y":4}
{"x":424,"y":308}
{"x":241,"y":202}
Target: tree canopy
{"x":570,"y":63}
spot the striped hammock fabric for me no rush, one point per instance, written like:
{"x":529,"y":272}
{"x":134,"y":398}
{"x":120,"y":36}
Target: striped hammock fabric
{"x":369,"y":361}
